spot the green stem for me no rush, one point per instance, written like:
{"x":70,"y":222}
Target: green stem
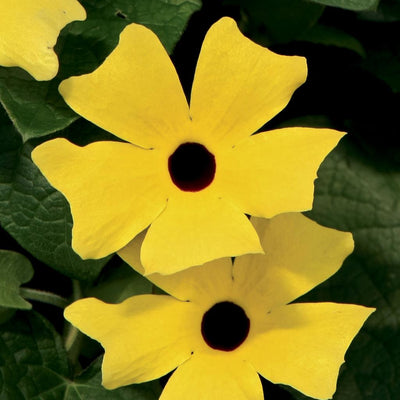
{"x":44,"y":297}
{"x":76,"y":290}
{"x":73,"y":338}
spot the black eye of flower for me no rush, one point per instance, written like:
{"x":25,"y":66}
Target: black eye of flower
{"x":192,"y":167}
{"x":225,"y":326}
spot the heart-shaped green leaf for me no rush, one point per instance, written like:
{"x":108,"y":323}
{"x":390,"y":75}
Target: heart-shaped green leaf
{"x":15,"y":269}
{"x":34,"y":365}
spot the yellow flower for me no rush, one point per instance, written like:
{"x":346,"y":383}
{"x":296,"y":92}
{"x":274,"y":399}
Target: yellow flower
{"x":224,"y":324}
{"x":190,"y":173}
{"x":29,"y":31}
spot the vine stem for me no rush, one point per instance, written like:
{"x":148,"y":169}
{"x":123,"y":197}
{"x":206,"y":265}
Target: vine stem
{"x":44,"y":297}
{"x":73,"y":336}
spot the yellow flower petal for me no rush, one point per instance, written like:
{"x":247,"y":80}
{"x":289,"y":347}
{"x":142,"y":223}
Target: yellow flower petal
{"x":29,"y":30}
{"x":303,"y":345}
{"x":135,"y":94}
{"x":144,"y":337}
{"x":223,"y":378}
{"x":194,"y":229}
{"x":192,"y":284}
{"x":300,"y":254}
{"x":107,"y":212}
{"x":239,"y":85}
{"x":273,"y":172}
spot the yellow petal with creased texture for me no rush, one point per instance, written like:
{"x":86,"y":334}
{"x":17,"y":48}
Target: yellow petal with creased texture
{"x":135,"y":94}
{"x":273,"y":172}
{"x":239,"y":85}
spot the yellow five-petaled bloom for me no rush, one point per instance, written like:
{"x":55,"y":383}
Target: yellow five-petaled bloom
{"x":29,"y":30}
{"x":188,"y":174}
{"x":225,"y":323}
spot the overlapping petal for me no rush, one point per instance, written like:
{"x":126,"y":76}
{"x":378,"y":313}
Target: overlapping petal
{"x":144,"y":337}
{"x":192,"y":284}
{"x":239,"y":85}
{"x":135,"y":94}
{"x":303,"y":345}
{"x":29,"y":30}
{"x":114,"y":190}
{"x":194,"y":229}
{"x":300,"y":254}
{"x":219,"y":377}
{"x":273,"y":172}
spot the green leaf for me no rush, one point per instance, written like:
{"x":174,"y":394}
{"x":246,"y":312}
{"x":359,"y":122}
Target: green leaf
{"x":381,"y":41}
{"x":34,"y":213}
{"x":6,"y":313}
{"x":15,"y":269}
{"x":119,"y":283}
{"x":390,"y":10}
{"x":281,"y":20}
{"x":355,"y":5}
{"x":359,"y":194}
{"x":34,"y":365}
{"x":31,"y":357}
{"x":384,"y":62}
{"x":330,"y":36}
{"x":84,"y":45}
{"x":36,"y":108}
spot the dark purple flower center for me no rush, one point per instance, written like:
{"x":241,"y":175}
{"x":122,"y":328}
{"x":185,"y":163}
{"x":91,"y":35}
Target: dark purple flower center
{"x":192,"y":167}
{"x":225,"y":326}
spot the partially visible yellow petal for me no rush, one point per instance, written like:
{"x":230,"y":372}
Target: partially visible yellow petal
{"x":194,"y":229}
{"x":239,"y":85}
{"x":299,"y":255}
{"x":131,"y":253}
{"x":274,"y":172}
{"x":193,"y":284}
{"x":221,"y":377}
{"x":114,"y":190}
{"x":303,"y":345}
{"x":29,"y":30}
{"x":144,"y":337}
{"x":135,"y":94}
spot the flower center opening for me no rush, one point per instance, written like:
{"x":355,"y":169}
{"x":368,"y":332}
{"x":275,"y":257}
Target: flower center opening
{"x":225,"y":326}
{"x":192,"y":167}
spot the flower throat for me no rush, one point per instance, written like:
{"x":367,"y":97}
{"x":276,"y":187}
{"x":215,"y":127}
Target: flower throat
{"x":191,"y":167}
{"x":225,"y":326}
